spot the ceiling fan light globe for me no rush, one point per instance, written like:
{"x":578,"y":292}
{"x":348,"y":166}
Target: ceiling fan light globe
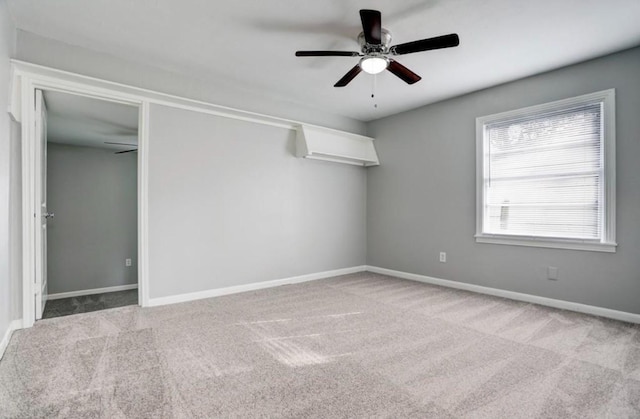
{"x":373,"y":65}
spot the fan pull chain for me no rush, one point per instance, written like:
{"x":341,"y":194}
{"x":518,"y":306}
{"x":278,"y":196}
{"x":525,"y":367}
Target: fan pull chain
{"x":373,"y":91}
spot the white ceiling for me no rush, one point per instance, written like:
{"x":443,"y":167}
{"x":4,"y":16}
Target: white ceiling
{"x":252,"y":43}
{"x":82,"y":121}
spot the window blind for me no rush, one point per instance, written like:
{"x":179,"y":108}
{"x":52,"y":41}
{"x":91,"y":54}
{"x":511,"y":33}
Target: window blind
{"x":544,"y":175}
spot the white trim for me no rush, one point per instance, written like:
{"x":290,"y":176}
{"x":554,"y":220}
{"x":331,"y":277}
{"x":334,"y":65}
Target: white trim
{"x":28,"y":198}
{"x":4,"y":343}
{"x":552,"y":243}
{"x":216,"y":292}
{"x":599,"y":96}
{"x":60,"y":295}
{"x":609,"y":160}
{"x":608,"y":241}
{"x":512,"y":295}
{"x":143,"y":204}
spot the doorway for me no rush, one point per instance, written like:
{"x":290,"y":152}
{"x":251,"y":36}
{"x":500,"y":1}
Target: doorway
{"x":86,"y":185}
{"x":25,"y":81}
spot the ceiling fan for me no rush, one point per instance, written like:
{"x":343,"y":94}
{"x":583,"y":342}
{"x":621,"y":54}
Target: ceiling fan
{"x":375,"y":50}
{"x":124,"y":151}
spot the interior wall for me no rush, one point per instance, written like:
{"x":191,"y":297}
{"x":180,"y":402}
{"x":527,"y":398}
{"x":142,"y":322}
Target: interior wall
{"x":93,"y":193}
{"x":40,"y":50}
{"x":421,"y":200}
{"x":230,"y":204}
{"x":7,"y":50}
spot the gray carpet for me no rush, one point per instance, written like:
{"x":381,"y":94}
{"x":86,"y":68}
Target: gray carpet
{"x":88,"y":303}
{"x":361,"y":345}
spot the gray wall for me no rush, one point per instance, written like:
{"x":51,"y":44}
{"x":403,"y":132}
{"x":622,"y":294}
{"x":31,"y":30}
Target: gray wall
{"x":39,"y":50}
{"x":93,"y":193}
{"x":421,"y":200}
{"x":229,"y":204}
{"x":7,"y":49}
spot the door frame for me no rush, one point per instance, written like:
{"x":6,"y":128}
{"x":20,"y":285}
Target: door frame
{"x":25,"y":81}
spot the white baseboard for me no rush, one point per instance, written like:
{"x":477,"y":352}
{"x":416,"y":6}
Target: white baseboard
{"x":550,"y":302}
{"x":92,"y":291}
{"x":181,"y":298}
{"x":13,"y":326}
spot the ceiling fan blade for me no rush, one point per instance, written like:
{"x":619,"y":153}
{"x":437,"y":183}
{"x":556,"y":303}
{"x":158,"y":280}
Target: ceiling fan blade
{"x":107,"y":142}
{"x":125,"y":151}
{"x":444,"y":41}
{"x":327,"y":54}
{"x":371,"y":26}
{"x":348,"y":77}
{"x":403,"y":72}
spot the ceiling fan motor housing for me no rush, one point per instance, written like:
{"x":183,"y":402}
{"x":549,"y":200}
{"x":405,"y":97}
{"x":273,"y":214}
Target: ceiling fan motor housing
{"x":370,"y":49}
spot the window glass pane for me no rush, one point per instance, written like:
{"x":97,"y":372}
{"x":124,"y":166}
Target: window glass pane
{"x":545,"y":175}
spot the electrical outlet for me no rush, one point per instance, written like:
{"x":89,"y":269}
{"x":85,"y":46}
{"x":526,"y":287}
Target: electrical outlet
{"x":443,"y":257}
{"x":552,"y":273}
{"x":127,"y":262}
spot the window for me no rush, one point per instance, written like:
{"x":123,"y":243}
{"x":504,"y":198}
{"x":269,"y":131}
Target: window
{"x":546,"y":175}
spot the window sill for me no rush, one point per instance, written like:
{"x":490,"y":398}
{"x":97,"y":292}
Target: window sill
{"x":547,"y":242}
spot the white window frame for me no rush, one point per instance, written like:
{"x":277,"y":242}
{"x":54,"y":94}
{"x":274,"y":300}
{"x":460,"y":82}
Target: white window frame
{"x":607,"y":243}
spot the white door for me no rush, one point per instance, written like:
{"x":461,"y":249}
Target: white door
{"x":41,"y":197}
